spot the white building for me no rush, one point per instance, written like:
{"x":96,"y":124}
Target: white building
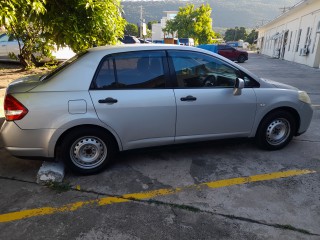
{"x":294,"y":35}
{"x":157,"y":33}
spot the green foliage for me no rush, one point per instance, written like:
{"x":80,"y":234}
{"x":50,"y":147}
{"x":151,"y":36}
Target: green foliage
{"x":80,"y":24}
{"x":192,"y":23}
{"x":59,"y":187}
{"x":22,"y":19}
{"x":131,"y":29}
{"x":253,"y":35}
{"x":235,"y":34}
{"x":149,"y":24}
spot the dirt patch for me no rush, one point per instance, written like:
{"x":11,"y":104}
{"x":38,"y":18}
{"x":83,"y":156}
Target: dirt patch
{"x":12,"y":71}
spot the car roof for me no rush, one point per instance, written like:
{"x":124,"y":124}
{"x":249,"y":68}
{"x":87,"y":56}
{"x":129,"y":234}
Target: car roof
{"x":142,"y":47}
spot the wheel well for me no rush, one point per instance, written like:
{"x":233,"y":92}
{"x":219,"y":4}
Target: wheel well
{"x":83,"y":126}
{"x":292,"y":111}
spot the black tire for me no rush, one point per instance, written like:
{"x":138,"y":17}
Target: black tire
{"x":241,"y":59}
{"x":276,"y":130}
{"x":87,"y":151}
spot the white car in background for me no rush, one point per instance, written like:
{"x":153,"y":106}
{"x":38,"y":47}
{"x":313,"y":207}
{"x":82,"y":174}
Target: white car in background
{"x":11,"y":45}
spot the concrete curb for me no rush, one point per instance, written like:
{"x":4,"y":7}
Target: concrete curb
{"x":50,"y":172}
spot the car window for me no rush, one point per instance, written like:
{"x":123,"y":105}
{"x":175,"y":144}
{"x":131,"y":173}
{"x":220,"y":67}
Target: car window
{"x":142,"y":69}
{"x":196,"y":70}
{"x":62,"y":66}
{"x":249,"y":82}
{"x":4,"y":38}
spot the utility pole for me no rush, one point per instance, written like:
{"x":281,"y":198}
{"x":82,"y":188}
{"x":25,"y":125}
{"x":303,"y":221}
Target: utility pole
{"x":141,"y":21}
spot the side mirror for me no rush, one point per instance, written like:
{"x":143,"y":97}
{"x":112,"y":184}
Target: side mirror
{"x":239,"y":84}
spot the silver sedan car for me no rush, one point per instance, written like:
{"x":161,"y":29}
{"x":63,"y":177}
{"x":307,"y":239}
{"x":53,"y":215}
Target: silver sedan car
{"x":111,"y":99}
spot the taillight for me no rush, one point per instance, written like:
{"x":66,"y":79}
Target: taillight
{"x":13,"y":109}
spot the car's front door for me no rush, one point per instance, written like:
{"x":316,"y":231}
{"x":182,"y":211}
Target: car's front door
{"x":206,"y":105}
{"x":130,"y":95}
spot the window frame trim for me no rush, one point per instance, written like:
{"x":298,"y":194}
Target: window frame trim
{"x":165,"y":65}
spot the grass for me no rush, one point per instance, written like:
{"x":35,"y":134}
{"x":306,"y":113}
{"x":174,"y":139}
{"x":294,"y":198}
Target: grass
{"x":59,"y":187}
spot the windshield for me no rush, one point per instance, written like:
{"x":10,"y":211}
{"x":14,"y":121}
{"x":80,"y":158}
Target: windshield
{"x":62,"y":66}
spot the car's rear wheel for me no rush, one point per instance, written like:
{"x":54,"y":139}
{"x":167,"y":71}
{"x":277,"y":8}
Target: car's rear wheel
{"x":87,"y":151}
{"x":241,"y":58}
{"x":276,"y":130}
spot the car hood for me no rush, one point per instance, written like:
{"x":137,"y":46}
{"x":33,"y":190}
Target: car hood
{"x":24,"y":84}
{"x":278,"y":84}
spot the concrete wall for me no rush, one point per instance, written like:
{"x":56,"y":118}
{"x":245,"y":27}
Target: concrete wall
{"x":294,"y":36}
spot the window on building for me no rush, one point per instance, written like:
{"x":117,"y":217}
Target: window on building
{"x":308,"y":38}
{"x":298,"y":40}
{"x":290,"y":39}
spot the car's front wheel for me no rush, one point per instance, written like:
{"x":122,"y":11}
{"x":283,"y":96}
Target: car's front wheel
{"x":276,"y":130}
{"x":87,"y":151}
{"x":241,"y":59}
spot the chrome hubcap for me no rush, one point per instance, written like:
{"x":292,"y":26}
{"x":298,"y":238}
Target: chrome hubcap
{"x":278,"y":131}
{"x":88,"y":152}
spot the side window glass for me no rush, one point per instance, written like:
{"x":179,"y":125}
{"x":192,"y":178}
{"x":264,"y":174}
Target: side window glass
{"x":195,"y":70}
{"x":249,"y":82}
{"x":132,"y":70}
{"x":4,"y":38}
{"x":105,"y":78}
{"x":140,"y":69}
{"x":11,"y":38}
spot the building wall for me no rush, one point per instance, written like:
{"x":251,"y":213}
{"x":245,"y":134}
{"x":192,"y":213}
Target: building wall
{"x":157,"y":33}
{"x":294,"y":36}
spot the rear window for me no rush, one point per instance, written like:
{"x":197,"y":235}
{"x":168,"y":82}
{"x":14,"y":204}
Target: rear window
{"x":62,"y":66}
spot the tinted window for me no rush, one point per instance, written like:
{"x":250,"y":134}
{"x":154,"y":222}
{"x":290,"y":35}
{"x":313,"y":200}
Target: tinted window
{"x":224,"y":47}
{"x":196,"y":70}
{"x":131,"y":70}
{"x":249,"y":82}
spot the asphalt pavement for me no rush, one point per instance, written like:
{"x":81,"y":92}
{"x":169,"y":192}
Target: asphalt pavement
{"x":213,"y":190}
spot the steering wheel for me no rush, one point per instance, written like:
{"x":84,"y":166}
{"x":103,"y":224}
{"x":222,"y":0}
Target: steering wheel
{"x":210,"y":81}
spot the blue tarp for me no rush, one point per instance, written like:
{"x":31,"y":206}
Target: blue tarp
{"x":209,"y":47}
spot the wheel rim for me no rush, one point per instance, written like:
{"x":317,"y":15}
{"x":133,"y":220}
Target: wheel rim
{"x":278,"y":131}
{"x":241,"y":59}
{"x":88,"y":152}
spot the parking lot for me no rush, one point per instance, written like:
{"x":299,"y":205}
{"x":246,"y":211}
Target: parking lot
{"x":213,"y":190}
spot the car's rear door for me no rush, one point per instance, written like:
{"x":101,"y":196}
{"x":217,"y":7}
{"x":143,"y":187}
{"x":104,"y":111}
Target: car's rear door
{"x":206,"y":105}
{"x":130,"y":95}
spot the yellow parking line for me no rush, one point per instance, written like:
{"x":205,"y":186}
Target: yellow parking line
{"x":13,"y":216}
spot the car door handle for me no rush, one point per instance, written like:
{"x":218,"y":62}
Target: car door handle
{"x":188,"y":98}
{"x":108,"y":100}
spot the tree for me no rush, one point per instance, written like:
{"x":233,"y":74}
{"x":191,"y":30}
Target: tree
{"x":235,"y":34}
{"x":253,"y":35}
{"x":149,"y":24}
{"x":80,"y":24}
{"x":192,"y":23}
{"x":22,"y":20}
{"x":131,"y":29}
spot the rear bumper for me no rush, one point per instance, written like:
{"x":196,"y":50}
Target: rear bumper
{"x":26,"y":143}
